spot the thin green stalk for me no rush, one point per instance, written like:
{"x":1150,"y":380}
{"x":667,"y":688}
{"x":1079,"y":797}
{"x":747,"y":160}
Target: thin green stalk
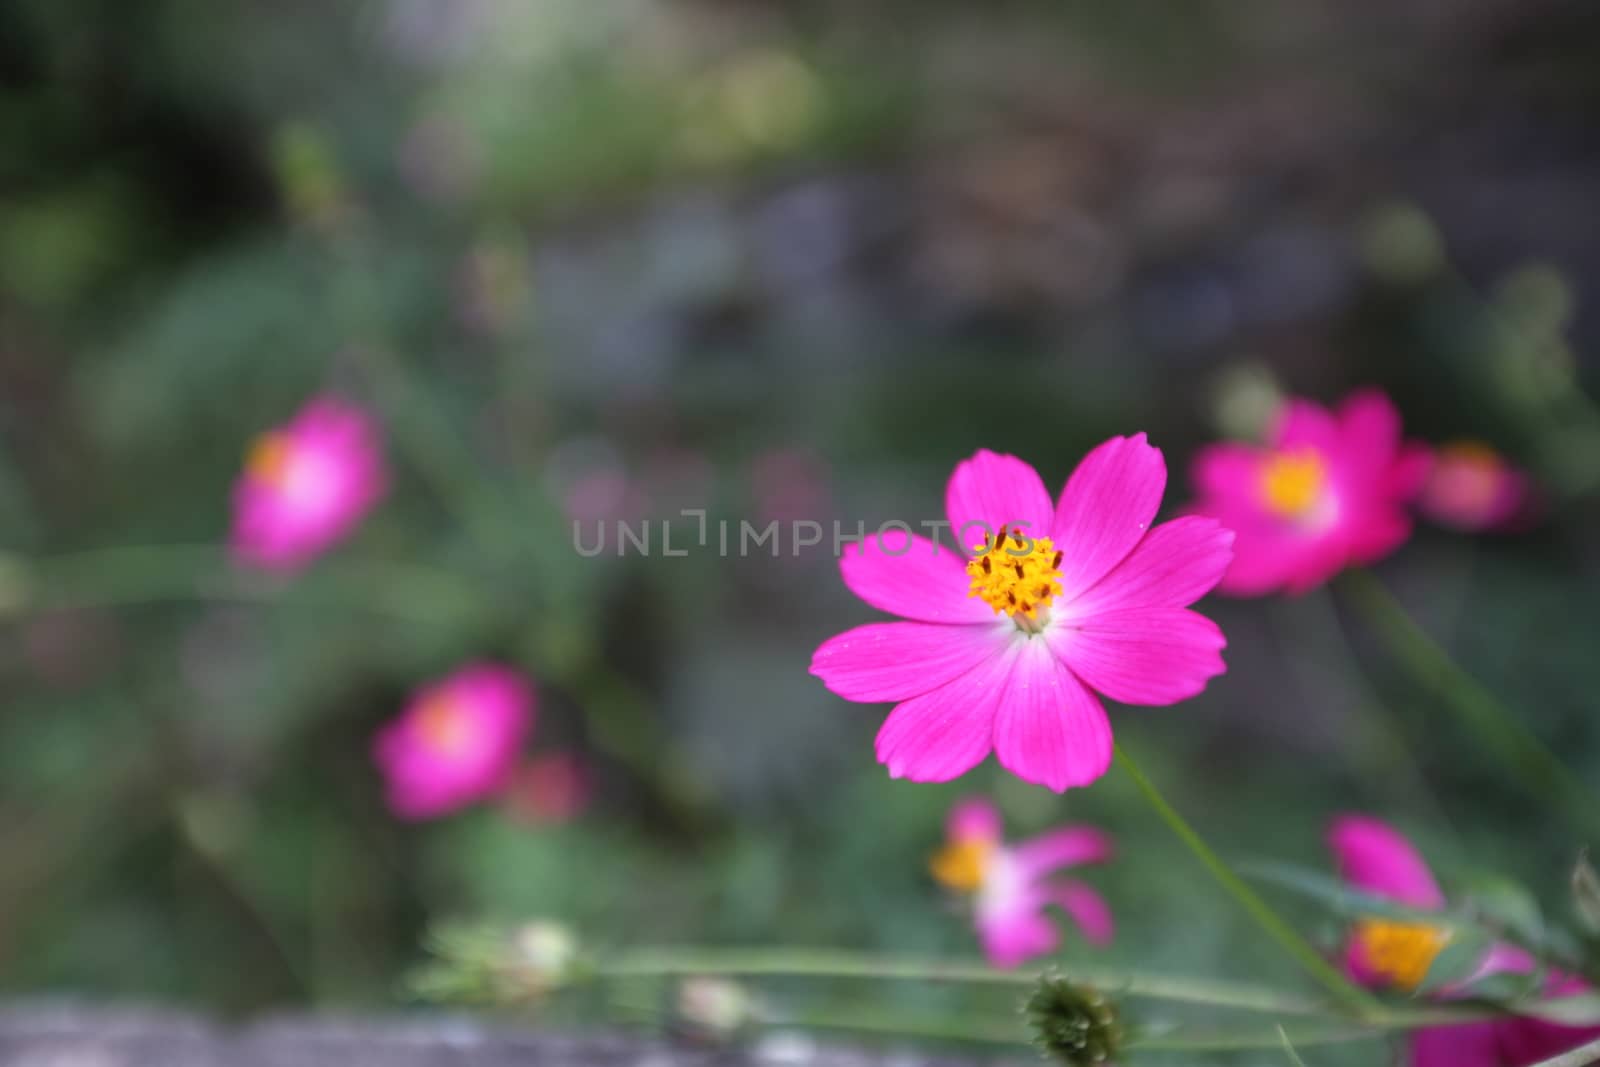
{"x":784,"y":962}
{"x":1355,"y":1000}
{"x":1500,"y":731}
{"x":144,"y":574}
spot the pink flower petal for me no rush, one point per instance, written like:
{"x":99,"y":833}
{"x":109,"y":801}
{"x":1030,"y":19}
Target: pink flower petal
{"x":990,"y":489}
{"x":1302,"y":424}
{"x":1151,"y":656}
{"x":1070,"y":846}
{"x":1016,"y":935}
{"x":1376,"y":859}
{"x":912,"y":577}
{"x":1466,"y":1045}
{"x":900,"y":660}
{"x":1087,"y":908}
{"x":1180,"y":562}
{"x":1228,"y":472}
{"x":1106,"y":509}
{"x":945,"y":733}
{"x":974,"y":819}
{"x":1050,"y":729}
{"x":1369,"y":433}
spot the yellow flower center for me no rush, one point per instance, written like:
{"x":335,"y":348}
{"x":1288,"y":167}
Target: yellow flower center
{"x":443,"y":727}
{"x":268,"y":460}
{"x":1015,"y":575}
{"x":1292,"y":482}
{"x":1400,"y":952}
{"x":960,"y":865}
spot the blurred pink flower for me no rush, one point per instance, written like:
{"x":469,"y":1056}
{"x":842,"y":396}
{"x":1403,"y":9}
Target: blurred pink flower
{"x":551,"y":788}
{"x":1005,"y":651}
{"x":1011,"y":885}
{"x":307,"y":485}
{"x":1328,"y":492}
{"x":1471,"y":487}
{"x":1376,"y":859}
{"x":457,"y":741}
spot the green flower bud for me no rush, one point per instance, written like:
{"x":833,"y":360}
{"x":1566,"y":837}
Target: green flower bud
{"x":1073,"y":1024}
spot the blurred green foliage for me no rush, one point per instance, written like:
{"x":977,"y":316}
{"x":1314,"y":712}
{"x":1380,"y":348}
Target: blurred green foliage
{"x":658,"y":242}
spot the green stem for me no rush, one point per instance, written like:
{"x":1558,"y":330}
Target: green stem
{"x":143,"y":574}
{"x":782,"y":962}
{"x":1500,"y":731}
{"x":1355,"y":1000}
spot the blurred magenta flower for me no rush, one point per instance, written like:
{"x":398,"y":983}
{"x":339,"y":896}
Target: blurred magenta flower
{"x":1376,"y":859}
{"x":307,"y":485}
{"x":1006,"y":650}
{"x":457,"y":742}
{"x":1011,"y":885}
{"x":1329,"y":491}
{"x":551,"y":788}
{"x":1471,"y":487}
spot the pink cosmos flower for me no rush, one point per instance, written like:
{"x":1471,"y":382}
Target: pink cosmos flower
{"x":1376,"y":859}
{"x":1328,"y":491}
{"x":456,"y":742}
{"x":307,"y":485}
{"x":1471,"y":487}
{"x":1010,"y":885}
{"x":1006,"y":650}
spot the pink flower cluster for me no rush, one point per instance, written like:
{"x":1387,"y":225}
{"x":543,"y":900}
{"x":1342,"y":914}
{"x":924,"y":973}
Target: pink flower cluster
{"x":1376,"y":859}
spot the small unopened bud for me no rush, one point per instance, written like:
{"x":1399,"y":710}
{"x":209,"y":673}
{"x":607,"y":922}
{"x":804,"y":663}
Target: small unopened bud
{"x":1072,"y":1023}
{"x":715,"y":1008}
{"x":543,"y":956}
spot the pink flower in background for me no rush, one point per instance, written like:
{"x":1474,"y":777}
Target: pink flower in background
{"x":1329,"y":491}
{"x":551,"y":788}
{"x":307,"y":485}
{"x":1376,"y":859}
{"x":1011,"y":885}
{"x":457,"y":742}
{"x":1005,"y":651}
{"x":1471,"y":487}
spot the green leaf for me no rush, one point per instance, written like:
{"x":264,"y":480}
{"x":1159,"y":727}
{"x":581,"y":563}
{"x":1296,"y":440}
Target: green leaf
{"x":1582,"y":1009}
{"x":1456,"y":962}
{"x":1334,"y":894}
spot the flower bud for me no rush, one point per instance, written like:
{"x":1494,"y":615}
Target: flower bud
{"x":1072,"y":1023}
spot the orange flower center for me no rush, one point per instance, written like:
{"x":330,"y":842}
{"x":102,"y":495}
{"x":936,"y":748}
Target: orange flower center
{"x":1015,"y":575}
{"x":268,"y":460}
{"x":1292,"y":482}
{"x":1400,"y":952}
{"x":961,"y":865}
{"x":443,"y":727}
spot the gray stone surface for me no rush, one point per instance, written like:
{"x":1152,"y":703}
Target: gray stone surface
{"x":77,"y":1035}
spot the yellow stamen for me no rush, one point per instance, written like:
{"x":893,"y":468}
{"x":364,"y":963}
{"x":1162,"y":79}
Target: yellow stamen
{"x":1292,"y":482}
{"x":268,"y":459}
{"x":443,"y":727}
{"x":1400,"y":952}
{"x":1015,"y":575}
{"x":961,"y":865}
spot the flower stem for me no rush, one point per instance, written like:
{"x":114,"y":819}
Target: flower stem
{"x":826,"y":963}
{"x":143,"y":574}
{"x":1355,"y":1000}
{"x":1500,"y":731}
